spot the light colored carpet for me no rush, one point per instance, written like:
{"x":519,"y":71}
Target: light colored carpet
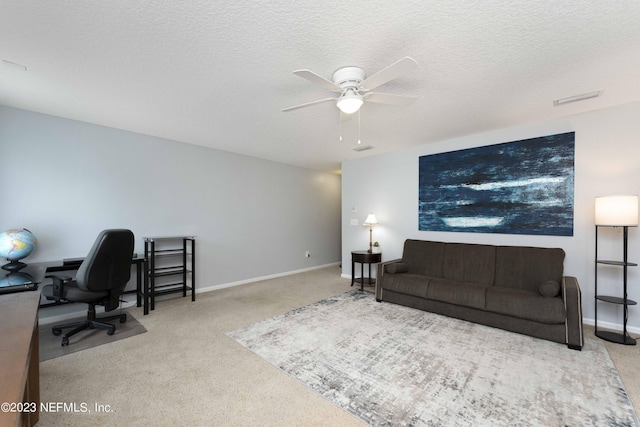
{"x":185,"y":371}
{"x":393,"y":365}
{"x":51,"y":345}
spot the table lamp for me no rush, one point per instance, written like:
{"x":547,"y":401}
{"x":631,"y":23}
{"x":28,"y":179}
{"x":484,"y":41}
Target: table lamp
{"x":370,"y":222}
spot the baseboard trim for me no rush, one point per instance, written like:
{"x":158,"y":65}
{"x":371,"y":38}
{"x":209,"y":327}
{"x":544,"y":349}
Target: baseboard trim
{"x":44,"y":319}
{"x":258,"y":279}
{"x":130,"y":299}
{"x":610,"y":325}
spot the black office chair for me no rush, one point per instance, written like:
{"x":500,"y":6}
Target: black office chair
{"x":100,"y":280}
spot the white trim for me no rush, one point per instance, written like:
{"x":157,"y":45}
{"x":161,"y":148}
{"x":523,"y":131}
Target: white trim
{"x":612,"y":326}
{"x":258,"y":279}
{"x":44,"y":320}
{"x":81,"y":312}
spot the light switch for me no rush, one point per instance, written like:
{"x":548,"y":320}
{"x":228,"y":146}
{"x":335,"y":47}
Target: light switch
{"x":354,"y":221}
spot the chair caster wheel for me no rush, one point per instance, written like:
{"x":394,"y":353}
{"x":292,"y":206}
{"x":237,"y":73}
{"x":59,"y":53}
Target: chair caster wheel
{"x":65,"y":341}
{"x":56,"y":331}
{"x":111,"y":331}
{"x":123,"y":318}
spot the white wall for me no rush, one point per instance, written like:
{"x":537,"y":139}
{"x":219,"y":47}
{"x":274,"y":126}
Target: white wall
{"x":607,"y":161}
{"x":66,"y":181}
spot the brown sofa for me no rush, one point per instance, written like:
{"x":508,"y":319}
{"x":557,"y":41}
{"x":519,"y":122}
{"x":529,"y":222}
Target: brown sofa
{"x":516,"y":288}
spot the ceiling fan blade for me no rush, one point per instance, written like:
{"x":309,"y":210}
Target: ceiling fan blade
{"x":313,"y":77}
{"x":395,"y":70}
{"x":308,"y":104}
{"x":387,"y":98}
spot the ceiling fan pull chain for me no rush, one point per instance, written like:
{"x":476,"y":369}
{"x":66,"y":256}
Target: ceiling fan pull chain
{"x":359,"y":142}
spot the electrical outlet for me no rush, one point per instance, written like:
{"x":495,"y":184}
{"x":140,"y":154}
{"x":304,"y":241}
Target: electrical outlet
{"x":307,"y":254}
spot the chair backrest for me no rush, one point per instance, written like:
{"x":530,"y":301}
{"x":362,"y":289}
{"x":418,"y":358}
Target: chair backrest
{"x":107,"y":267}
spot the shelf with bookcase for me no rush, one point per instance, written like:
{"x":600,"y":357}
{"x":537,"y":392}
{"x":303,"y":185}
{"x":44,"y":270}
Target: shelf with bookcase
{"x":622,"y":300}
{"x":170,"y":266}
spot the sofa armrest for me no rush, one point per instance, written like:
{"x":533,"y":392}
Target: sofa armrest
{"x":572,"y":297}
{"x":380,"y":275}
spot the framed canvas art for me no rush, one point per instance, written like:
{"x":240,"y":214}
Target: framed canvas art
{"x":519,"y":187}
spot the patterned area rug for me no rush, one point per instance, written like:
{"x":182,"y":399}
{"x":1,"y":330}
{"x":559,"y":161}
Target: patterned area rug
{"x":393,"y":365}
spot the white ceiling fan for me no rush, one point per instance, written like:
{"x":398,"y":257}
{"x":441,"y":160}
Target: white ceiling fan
{"x":354,"y":87}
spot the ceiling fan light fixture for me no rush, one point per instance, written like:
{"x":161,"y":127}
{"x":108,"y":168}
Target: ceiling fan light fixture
{"x":350,"y":102}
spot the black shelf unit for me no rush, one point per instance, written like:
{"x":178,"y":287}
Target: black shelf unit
{"x":170,"y":267}
{"x":624,"y":301}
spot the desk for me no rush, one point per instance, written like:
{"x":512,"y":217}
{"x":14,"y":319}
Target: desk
{"x":19,"y":357}
{"x":138,"y":261}
{"x":363,"y":257}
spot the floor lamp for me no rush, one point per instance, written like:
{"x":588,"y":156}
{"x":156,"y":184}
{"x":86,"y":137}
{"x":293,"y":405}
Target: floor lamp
{"x":616,"y":211}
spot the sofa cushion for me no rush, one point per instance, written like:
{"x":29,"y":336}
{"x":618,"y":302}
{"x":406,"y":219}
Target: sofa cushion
{"x":525,"y":305}
{"x":406,"y":283}
{"x":469,"y":263}
{"x":549,"y":288}
{"x":396,"y":267}
{"x":423,"y":257}
{"x":467,"y":294}
{"x":525,"y":268}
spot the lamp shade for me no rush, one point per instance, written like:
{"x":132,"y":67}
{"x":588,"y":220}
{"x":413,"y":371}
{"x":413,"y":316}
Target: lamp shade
{"x":617,"y":210}
{"x":370,"y":221}
{"x":350,"y":102}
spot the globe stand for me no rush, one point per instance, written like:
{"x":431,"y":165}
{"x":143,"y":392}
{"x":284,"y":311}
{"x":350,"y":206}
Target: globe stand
{"x":14,"y":266}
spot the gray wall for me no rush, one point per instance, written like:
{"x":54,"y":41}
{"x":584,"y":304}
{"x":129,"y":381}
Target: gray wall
{"x":67,"y":180}
{"x":607,"y":155}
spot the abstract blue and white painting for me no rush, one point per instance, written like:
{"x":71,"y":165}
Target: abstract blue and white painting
{"x":519,"y":187}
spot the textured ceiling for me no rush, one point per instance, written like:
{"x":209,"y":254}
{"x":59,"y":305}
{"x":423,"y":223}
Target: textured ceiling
{"x":217,"y":73}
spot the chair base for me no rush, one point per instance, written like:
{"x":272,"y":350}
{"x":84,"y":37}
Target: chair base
{"x":91,"y":323}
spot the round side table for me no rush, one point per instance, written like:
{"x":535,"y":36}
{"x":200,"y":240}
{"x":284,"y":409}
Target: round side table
{"x":363,"y":257}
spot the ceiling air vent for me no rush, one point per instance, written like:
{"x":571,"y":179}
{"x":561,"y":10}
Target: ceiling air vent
{"x":575,"y":98}
{"x":363,"y":148}
{"x":14,"y":65}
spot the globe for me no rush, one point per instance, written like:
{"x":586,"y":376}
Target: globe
{"x":14,"y":245}
{"x":16,"y":279}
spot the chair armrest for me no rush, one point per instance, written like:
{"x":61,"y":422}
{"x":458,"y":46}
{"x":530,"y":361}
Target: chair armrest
{"x":572,"y":297}
{"x":58,"y":286}
{"x":380,"y":276}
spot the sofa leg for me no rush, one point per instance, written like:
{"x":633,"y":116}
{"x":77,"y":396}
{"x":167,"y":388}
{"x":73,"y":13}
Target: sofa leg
{"x":575,"y":347}
{"x":379,"y":300}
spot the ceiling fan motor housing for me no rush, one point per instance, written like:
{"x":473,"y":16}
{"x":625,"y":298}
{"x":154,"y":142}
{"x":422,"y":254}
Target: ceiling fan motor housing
{"x":348,"y":77}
